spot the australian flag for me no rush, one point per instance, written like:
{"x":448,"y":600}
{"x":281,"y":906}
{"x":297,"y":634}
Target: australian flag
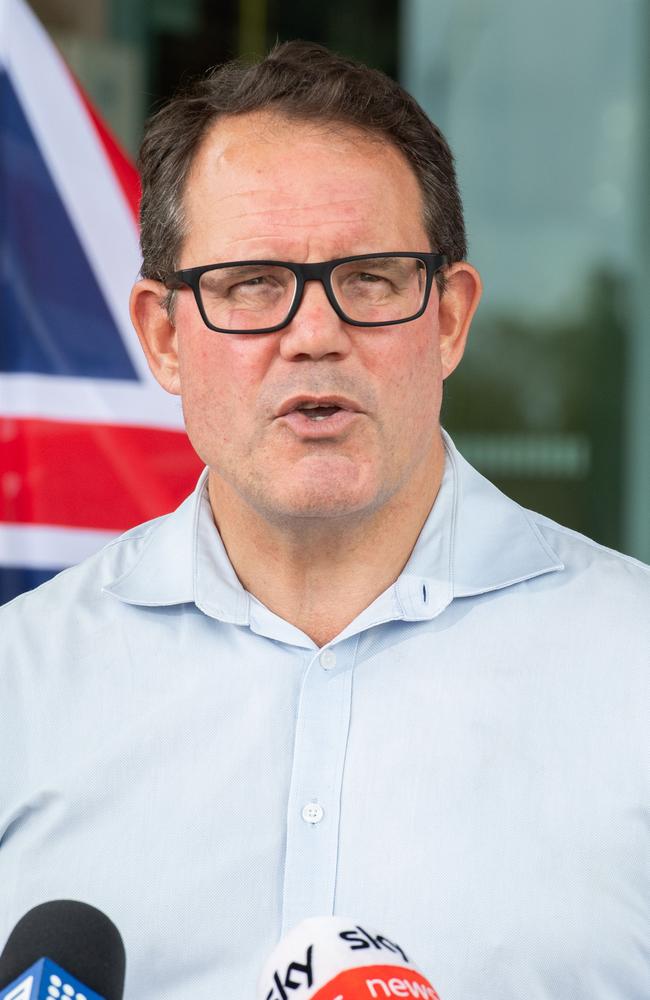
{"x":89,"y":443}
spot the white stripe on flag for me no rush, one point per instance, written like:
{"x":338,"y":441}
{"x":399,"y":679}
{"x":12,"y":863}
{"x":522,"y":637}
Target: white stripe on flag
{"x":77,"y":163}
{"x":39,"y":546}
{"x":88,"y":400}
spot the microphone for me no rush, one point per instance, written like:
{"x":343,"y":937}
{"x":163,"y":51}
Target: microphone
{"x":64,"y":949}
{"x":332,"y":958}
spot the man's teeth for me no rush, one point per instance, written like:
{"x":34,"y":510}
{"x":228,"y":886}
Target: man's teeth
{"x":318,"y":411}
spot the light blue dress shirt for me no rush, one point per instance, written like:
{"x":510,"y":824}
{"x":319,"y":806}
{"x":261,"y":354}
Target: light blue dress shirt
{"x":465,"y":766}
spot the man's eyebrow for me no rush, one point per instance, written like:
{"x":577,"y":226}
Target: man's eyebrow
{"x":243,"y":266}
{"x":386,"y":261}
{"x":396,"y":265}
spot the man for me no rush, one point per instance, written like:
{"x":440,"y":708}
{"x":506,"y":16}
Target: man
{"x":347,"y":675}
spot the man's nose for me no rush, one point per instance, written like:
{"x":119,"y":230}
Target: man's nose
{"x":316,"y":331}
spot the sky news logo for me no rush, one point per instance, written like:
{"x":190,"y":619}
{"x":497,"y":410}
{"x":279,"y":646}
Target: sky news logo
{"x":299,"y":978}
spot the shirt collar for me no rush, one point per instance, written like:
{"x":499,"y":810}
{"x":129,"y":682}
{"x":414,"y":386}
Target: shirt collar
{"x":474,"y":540}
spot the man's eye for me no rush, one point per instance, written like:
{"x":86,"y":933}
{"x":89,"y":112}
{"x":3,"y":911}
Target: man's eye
{"x":367,"y":277}
{"x":259,"y":280}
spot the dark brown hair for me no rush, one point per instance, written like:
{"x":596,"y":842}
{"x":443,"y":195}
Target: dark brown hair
{"x":305,"y":82}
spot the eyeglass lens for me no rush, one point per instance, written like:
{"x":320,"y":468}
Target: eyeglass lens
{"x":370,"y":290}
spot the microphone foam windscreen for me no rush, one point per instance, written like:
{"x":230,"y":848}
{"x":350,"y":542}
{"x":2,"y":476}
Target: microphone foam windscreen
{"x":332,"y":958}
{"x":76,"y":936}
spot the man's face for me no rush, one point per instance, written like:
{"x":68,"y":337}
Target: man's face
{"x":264,"y":188}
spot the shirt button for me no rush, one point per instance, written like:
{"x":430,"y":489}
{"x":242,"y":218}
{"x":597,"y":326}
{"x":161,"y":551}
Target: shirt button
{"x":313,"y":813}
{"x":328,"y":659}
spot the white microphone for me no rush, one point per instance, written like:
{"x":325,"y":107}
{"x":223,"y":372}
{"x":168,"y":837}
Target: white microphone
{"x":332,"y":958}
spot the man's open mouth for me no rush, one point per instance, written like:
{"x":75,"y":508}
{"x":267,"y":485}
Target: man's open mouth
{"x":318,"y":411}
{"x":315,"y":417}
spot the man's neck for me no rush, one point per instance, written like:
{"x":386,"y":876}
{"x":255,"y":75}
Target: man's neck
{"x":320,"y":574}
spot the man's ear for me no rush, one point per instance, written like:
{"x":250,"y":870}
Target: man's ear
{"x":455,"y":312}
{"x":156,"y":332}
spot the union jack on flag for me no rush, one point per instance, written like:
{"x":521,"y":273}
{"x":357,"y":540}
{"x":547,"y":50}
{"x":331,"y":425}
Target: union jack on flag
{"x":89,"y":443}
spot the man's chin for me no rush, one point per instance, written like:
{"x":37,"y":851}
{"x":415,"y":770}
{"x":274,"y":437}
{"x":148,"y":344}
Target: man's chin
{"x":315,"y":491}
{"x":315,"y":502}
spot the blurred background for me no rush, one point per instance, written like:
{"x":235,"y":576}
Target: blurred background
{"x":547,"y":108}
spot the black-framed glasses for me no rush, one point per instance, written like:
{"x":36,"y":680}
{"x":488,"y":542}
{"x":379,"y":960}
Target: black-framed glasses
{"x":262,"y":296}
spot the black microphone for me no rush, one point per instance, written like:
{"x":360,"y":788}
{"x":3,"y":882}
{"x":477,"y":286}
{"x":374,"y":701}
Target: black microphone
{"x":82,"y":949}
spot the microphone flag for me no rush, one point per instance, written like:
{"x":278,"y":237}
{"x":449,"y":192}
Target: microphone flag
{"x":90,"y":445}
{"x":333,"y":958}
{"x":45,"y":980}
{"x":54,"y":938}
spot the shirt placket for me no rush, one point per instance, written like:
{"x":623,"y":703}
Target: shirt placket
{"x":316,"y":781}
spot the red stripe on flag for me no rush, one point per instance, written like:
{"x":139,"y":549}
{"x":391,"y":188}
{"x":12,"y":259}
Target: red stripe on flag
{"x":125,"y":172}
{"x":99,"y":476}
